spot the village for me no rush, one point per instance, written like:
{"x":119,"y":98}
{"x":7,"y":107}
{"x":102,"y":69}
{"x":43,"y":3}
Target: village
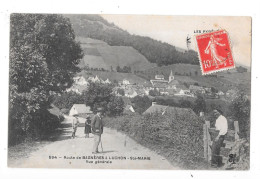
{"x":159,"y":86}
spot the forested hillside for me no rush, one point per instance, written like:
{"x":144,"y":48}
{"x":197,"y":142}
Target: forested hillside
{"x":94,"y":26}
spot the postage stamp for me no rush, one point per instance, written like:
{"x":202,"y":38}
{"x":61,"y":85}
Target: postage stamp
{"x":214,"y":52}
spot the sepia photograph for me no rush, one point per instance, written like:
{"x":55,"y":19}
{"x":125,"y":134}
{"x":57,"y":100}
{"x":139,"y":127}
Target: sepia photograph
{"x":153,"y":92}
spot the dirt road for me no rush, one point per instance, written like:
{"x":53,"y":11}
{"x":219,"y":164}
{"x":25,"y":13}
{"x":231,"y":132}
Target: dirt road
{"x":119,"y":152}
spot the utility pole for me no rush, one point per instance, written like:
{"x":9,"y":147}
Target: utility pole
{"x":188,"y":42}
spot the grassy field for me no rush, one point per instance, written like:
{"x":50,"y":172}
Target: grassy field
{"x":98,"y":54}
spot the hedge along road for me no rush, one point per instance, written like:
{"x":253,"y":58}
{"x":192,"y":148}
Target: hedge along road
{"x":119,"y":152}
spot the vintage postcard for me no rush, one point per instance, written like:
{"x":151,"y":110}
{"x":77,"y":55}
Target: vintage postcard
{"x":129,"y":92}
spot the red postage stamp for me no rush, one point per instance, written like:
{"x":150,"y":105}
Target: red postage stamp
{"x":214,"y":52}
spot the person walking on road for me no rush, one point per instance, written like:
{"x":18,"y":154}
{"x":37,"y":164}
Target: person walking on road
{"x":75,"y":123}
{"x":97,"y":130}
{"x":87,"y":127}
{"x":222,"y":126}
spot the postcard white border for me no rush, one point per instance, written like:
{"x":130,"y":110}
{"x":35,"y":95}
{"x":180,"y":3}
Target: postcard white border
{"x":162,"y":7}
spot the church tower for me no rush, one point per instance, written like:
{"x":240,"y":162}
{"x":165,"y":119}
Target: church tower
{"x":171,"y":77}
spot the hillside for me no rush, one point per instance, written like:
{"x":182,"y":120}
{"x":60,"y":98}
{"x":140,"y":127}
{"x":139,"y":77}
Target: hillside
{"x":95,"y":27}
{"x":106,"y":45}
{"x":225,"y":81}
{"x":98,"y":54}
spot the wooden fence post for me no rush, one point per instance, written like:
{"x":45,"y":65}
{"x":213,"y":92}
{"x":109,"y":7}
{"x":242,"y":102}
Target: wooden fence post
{"x":236,"y":126}
{"x":205,"y":139}
{"x":208,"y":140}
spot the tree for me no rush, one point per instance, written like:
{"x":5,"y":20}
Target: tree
{"x":118,"y":69}
{"x":214,"y":90}
{"x":47,"y":42}
{"x":185,"y":104}
{"x":126,"y":69}
{"x":140,"y":104}
{"x":98,"y":95}
{"x":115,"y":82}
{"x":241,"y":69}
{"x":43,"y":59}
{"x":240,"y":110}
{"x":200,"y":105}
{"x":186,"y":85}
{"x":121,"y":91}
{"x":154,"y":93}
{"x":67,"y":99}
{"x":115,"y":106}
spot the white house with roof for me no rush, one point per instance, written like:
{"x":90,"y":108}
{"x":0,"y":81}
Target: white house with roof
{"x":80,"y":80}
{"x":107,"y":81}
{"x":197,"y":89}
{"x":159,"y":77}
{"x":80,"y":109}
{"x":131,"y":93}
{"x":125,"y":82}
{"x":95,"y":79}
{"x":129,"y":109}
{"x":80,"y":84}
{"x":220,"y":93}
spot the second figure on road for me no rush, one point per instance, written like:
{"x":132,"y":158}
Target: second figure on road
{"x":87,"y":127}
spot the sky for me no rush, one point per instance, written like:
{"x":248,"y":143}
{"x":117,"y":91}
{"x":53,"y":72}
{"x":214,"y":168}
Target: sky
{"x":175,"y":29}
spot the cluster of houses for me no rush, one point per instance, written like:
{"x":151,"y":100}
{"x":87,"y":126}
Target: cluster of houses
{"x":80,"y":83}
{"x":161,"y":86}
{"x":170,"y":86}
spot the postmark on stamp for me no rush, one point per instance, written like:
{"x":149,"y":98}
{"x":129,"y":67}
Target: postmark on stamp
{"x":214,"y":52}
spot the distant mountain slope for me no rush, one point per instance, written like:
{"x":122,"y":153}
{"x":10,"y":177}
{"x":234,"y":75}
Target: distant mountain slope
{"x":95,"y":27}
{"x":99,"y":54}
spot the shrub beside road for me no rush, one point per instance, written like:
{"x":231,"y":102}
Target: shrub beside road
{"x":176,"y":136}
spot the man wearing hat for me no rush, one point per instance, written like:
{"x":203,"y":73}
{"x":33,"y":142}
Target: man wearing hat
{"x":222,"y":126}
{"x":75,"y":123}
{"x":97,"y":129}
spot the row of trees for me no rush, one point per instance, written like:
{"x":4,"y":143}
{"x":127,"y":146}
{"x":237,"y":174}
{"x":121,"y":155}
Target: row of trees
{"x":125,"y":69}
{"x":43,"y":59}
